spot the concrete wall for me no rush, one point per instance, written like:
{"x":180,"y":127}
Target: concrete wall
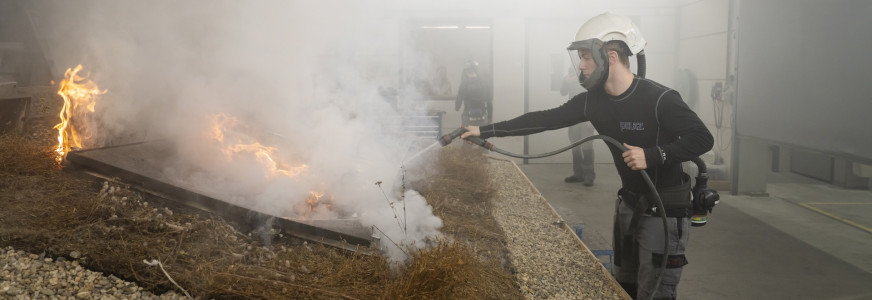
{"x":702,"y":54}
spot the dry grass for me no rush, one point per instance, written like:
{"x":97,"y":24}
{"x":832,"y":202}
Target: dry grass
{"x":46,"y":209}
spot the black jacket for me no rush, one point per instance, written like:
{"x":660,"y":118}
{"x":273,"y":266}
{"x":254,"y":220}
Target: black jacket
{"x":647,"y":115}
{"x":474,"y":93}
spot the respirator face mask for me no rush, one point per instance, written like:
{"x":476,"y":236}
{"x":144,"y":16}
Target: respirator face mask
{"x":598,"y":53}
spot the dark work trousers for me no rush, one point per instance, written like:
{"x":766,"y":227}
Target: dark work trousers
{"x":638,"y":256}
{"x":582,"y":155}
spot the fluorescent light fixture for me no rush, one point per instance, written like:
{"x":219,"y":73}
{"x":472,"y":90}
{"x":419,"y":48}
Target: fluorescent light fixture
{"x":440,"y":27}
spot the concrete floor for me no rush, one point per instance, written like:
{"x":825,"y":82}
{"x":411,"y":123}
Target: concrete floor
{"x":806,"y":240}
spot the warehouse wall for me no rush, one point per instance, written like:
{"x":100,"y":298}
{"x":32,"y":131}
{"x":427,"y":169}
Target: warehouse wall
{"x":702,"y":62}
{"x":816,"y":88}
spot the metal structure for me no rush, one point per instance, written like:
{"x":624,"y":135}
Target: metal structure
{"x":141,"y":165}
{"x":14,"y":108}
{"x":421,"y":124}
{"x":13,"y":113}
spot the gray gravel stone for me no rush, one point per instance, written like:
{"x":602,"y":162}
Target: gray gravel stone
{"x":29,"y":276}
{"x":550,"y":261}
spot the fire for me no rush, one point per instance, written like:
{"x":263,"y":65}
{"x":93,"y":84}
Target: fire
{"x":221,"y":126}
{"x":263,"y":155}
{"x":314,"y":201}
{"x":78,"y":93}
{"x":230,"y":134}
{"x":219,"y":123}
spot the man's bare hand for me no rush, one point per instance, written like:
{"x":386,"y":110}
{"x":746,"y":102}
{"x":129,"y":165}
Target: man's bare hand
{"x":471,"y":131}
{"x":635,"y":158}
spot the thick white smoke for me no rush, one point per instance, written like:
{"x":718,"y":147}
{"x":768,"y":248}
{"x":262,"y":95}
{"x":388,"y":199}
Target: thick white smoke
{"x":299,"y":76}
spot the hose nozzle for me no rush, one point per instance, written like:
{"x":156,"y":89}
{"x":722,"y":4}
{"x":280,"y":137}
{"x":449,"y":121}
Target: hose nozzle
{"x":447,"y":138}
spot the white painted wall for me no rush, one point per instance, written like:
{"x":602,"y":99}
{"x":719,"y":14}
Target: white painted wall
{"x":702,"y":49}
{"x":509,"y":75}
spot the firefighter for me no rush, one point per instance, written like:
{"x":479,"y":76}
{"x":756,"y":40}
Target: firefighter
{"x":475,"y":96}
{"x":648,"y":118}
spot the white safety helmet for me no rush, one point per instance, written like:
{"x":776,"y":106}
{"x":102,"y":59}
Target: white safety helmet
{"x":593,"y":35}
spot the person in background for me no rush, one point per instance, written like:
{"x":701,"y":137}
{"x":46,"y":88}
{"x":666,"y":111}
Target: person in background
{"x":475,"y":96}
{"x":658,"y":131}
{"x":582,"y":155}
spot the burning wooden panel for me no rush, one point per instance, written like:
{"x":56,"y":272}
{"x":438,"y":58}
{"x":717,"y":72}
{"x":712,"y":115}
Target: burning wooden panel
{"x":143,"y":165}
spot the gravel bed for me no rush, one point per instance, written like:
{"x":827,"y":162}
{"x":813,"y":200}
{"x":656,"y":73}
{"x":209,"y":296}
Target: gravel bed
{"x":31,"y":276}
{"x":550,"y":262}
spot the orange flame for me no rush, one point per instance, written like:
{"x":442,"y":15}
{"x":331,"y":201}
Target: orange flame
{"x":315,"y":201}
{"x":219,"y":122}
{"x":78,"y":92}
{"x":263,"y":154}
{"x":225,"y":130}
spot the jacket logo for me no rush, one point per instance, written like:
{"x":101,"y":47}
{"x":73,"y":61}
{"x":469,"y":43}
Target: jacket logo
{"x":634,"y":126}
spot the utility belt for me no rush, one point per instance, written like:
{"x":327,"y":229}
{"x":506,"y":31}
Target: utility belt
{"x":676,"y":200}
{"x":673,"y":208}
{"x":476,"y":114}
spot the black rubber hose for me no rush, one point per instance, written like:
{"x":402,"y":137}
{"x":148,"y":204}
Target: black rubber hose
{"x":700,"y":165}
{"x":616,"y":143}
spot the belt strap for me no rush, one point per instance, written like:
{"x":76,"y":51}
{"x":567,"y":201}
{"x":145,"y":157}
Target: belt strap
{"x":628,"y":196}
{"x":638,"y":210}
{"x":641,"y":204}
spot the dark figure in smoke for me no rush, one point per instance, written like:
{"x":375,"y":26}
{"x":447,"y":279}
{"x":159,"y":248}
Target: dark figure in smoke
{"x":648,"y":118}
{"x":582,"y":155}
{"x":475,"y":95}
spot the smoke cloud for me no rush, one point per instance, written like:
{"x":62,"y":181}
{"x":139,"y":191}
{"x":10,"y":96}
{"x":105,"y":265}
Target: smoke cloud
{"x":297,"y":78}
